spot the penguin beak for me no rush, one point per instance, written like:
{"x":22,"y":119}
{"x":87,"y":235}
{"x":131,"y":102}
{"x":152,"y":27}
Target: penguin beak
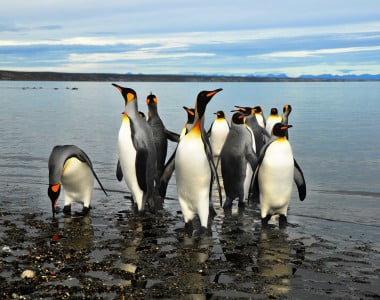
{"x":286,"y":127}
{"x":53,"y":193}
{"x":212,"y":93}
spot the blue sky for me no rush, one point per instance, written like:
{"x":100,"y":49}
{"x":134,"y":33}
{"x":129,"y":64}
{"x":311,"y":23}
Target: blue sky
{"x":232,"y":37}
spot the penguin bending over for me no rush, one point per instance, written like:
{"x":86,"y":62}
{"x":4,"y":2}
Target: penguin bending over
{"x":170,"y":164}
{"x":218,"y":133}
{"x":195,"y":168}
{"x":137,"y":153}
{"x":71,"y":168}
{"x":274,"y":176}
{"x":236,"y":156}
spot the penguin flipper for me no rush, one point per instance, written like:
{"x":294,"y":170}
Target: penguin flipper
{"x":254,"y":188}
{"x":172,"y":136}
{"x":141,"y":165}
{"x":119,"y":171}
{"x":214,"y":173}
{"x":299,"y":179}
{"x":166,"y":175}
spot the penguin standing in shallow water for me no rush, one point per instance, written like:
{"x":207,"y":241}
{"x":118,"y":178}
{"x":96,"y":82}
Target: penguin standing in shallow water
{"x":235,"y":156}
{"x":71,"y":168}
{"x":137,"y":153}
{"x":218,"y":133}
{"x":195,"y":168}
{"x":274,"y":176}
{"x":160,"y":133}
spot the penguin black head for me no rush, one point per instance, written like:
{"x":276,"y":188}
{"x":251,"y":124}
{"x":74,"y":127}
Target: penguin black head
{"x":274,"y":111}
{"x":127,"y":93}
{"x":190,"y":114}
{"x":280,"y":129}
{"x":220,"y":114}
{"x":258,"y":109}
{"x":203,"y":99}
{"x":142,"y":115}
{"x":287,"y":108}
{"x":246,"y":110}
{"x":151,"y":99}
{"x":238,"y":118}
{"x":53,"y":193}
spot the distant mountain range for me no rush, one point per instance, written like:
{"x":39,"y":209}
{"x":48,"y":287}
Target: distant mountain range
{"x":56,"y":76}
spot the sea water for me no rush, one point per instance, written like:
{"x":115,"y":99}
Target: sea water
{"x":335,"y":138}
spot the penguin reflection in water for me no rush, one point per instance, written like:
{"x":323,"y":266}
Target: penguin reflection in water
{"x":195,"y":169}
{"x":274,"y":176}
{"x":71,"y":168}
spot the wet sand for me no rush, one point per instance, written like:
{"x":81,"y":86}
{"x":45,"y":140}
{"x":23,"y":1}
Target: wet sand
{"x":126,"y":256}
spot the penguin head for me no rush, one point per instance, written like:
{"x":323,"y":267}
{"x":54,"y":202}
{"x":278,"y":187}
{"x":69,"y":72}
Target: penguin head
{"x":258,"y":109}
{"x":142,"y":115}
{"x":220,"y":114}
{"x":151,"y":100}
{"x":280,"y":129}
{"x":243,"y":109}
{"x":287,"y":107}
{"x":128,"y":94}
{"x":273,"y":111}
{"x":238,"y":118}
{"x":203,"y":99}
{"x":190,"y":114}
{"x":53,"y":193}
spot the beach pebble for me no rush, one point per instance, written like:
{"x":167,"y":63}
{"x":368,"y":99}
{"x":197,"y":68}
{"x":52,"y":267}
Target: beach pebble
{"x":28,"y":274}
{"x":6,"y":249}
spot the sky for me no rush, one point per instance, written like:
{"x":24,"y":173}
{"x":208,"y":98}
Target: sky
{"x":209,"y":37}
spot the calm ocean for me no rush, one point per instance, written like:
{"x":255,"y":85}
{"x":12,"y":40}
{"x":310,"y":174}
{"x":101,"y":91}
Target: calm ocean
{"x":335,"y":139}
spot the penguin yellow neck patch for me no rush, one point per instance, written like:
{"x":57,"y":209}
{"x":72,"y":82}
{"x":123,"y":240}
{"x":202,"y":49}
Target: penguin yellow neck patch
{"x":55,"y":187}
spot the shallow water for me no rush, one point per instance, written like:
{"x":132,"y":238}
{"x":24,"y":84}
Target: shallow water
{"x":335,"y":140}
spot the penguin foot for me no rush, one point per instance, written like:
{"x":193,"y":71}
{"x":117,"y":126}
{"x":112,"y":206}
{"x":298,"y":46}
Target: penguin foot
{"x":282,"y":221}
{"x":67,"y":210}
{"x":227,"y":204}
{"x":264,"y":221}
{"x":84,"y":211}
{"x":189,"y":227}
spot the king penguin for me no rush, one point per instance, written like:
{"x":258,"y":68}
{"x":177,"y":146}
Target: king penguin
{"x":137,"y":153}
{"x":71,"y":168}
{"x":160,"y":133}
{"x":272,"y":119}
{"x":195,"y":169}
{"x":235,"y":156}
{"x":287,"y":109}
{"x":218,"y":133}
{"x":274,"y":176}
{"x":170,"y":164}
{"x":260,"y":116}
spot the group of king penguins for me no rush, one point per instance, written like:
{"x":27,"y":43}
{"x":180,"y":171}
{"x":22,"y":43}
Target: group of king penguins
{"x":252,"y":153}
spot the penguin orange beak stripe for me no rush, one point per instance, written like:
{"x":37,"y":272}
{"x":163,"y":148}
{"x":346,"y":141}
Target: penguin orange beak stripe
{"x":55,"y":187}
{"x":210,"y":94}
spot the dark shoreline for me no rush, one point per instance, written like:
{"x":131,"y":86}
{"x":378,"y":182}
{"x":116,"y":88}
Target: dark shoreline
{"x":57,"y":76}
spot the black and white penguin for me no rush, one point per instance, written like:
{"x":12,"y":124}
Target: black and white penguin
{"x":274,"y":176}
{"x":287,"y":109}
{"x":272,"y":119}
{"x":260,"y":116}
{"x":218,"y":133}
{"x":137,"y":153}
{"x":236,"y":156}
{"x":71,"y":168}
{"x":195,"y":168}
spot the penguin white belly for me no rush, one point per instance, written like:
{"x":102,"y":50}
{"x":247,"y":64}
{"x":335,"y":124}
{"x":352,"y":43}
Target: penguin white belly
{"x":77,"y":182}
{"x":247,"y":180}
{"x":127,"y":159}
{"x":218,"y":136}
{"x":193,"y":179}
{"x":276,"y":175}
